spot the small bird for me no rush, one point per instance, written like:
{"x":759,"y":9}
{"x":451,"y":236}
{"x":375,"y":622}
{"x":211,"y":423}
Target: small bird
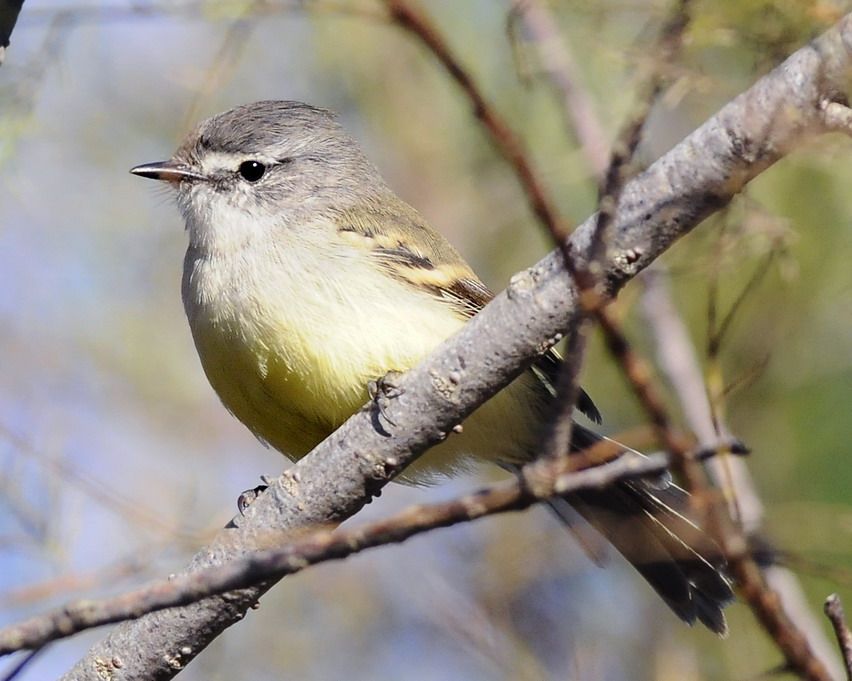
{"x":307,"y":279}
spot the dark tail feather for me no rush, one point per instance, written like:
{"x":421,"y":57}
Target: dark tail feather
{"x":645,"y":522}
{"x":589,"y":539}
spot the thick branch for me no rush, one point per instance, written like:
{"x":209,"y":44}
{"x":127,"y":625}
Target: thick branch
{"x":659,"y":206}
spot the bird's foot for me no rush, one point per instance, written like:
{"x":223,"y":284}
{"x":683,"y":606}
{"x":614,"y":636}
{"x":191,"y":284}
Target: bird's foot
{"x":248,"y":497}
{"x":382,"y":391}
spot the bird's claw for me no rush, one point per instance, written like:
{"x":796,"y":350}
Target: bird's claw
{"x":248,"y":497}
{"x":383,"y":390}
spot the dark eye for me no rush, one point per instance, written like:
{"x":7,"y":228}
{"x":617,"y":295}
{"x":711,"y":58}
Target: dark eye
{"x":252,"y":170}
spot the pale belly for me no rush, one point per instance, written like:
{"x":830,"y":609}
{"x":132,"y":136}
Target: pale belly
{"x":294,"y":372}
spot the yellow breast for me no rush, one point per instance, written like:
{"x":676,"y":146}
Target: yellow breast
{"x":290,"y":341}
{"x":291,"y":352}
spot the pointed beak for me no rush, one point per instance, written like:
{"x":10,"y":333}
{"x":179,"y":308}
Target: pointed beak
{"x":167,"y":171}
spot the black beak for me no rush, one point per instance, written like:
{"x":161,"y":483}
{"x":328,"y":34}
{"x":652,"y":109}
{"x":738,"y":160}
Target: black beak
{"x":167,"y":171}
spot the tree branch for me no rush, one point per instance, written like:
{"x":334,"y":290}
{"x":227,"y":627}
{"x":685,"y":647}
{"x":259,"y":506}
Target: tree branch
{"x":555,"y":476}
{"x":560,"y":67}
{"x":412,"y":19}
{"x":772,"y":600}
{"x":657,"y":207}
{"x":834,"y":611}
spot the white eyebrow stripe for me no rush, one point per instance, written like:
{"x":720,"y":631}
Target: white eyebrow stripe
{"x":222,"y":160}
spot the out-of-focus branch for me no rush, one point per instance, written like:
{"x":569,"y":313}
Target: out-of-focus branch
{"x":131,"y":510}
{"x":63,"y":586}
{"x":556,"y":476}
{"x":408,"y":16}
{"x":15,"y":670}
{"x":226,"y":60}
{"x":588,"y":276}
{"x":102,"y":13}
{"x":783,"y":614}
{"x":658,"y":206}
{"x":676,"y":357}
{"x":560,"y":68}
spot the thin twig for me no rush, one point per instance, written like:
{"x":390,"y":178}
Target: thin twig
{"x":561,"y":70}
{"x":680,"y":364}
{"x":412,"y":19}
{"x":716,"y":334}
{"x":536,"y":482}
{"x":589,"y":277}
{"x":834,"y":612}
{"x":22,"y":664}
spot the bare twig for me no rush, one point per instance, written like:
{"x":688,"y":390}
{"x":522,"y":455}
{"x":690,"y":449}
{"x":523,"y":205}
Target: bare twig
{"x":716,"y":332}
{"x":834,"y":612}
{"x":766,"y":606}
{"x":561,"y":69}
{"x":21,"y":664}
{"x":550,"y":477}
{"x":589,"y":276}
{"x":677,"y":357}
{"x":799,"y":608}
{"x":412,"y":19}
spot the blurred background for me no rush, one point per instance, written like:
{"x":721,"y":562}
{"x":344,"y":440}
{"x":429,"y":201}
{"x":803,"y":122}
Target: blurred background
{"x":117,"y":460}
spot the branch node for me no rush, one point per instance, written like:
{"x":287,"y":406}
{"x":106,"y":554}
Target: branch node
{"x":836,"y":116}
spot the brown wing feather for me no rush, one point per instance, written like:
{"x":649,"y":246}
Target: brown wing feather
{"x":427,"y":261}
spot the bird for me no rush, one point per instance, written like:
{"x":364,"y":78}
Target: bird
{"x":307,"y":280}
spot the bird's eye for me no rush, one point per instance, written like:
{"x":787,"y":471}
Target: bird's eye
{"x":252,"y":170}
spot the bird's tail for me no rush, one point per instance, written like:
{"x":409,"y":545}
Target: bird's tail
{"x":646,"y":521}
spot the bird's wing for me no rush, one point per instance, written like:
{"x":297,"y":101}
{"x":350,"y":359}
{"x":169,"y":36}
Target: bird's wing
{"x":427,"y":261}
